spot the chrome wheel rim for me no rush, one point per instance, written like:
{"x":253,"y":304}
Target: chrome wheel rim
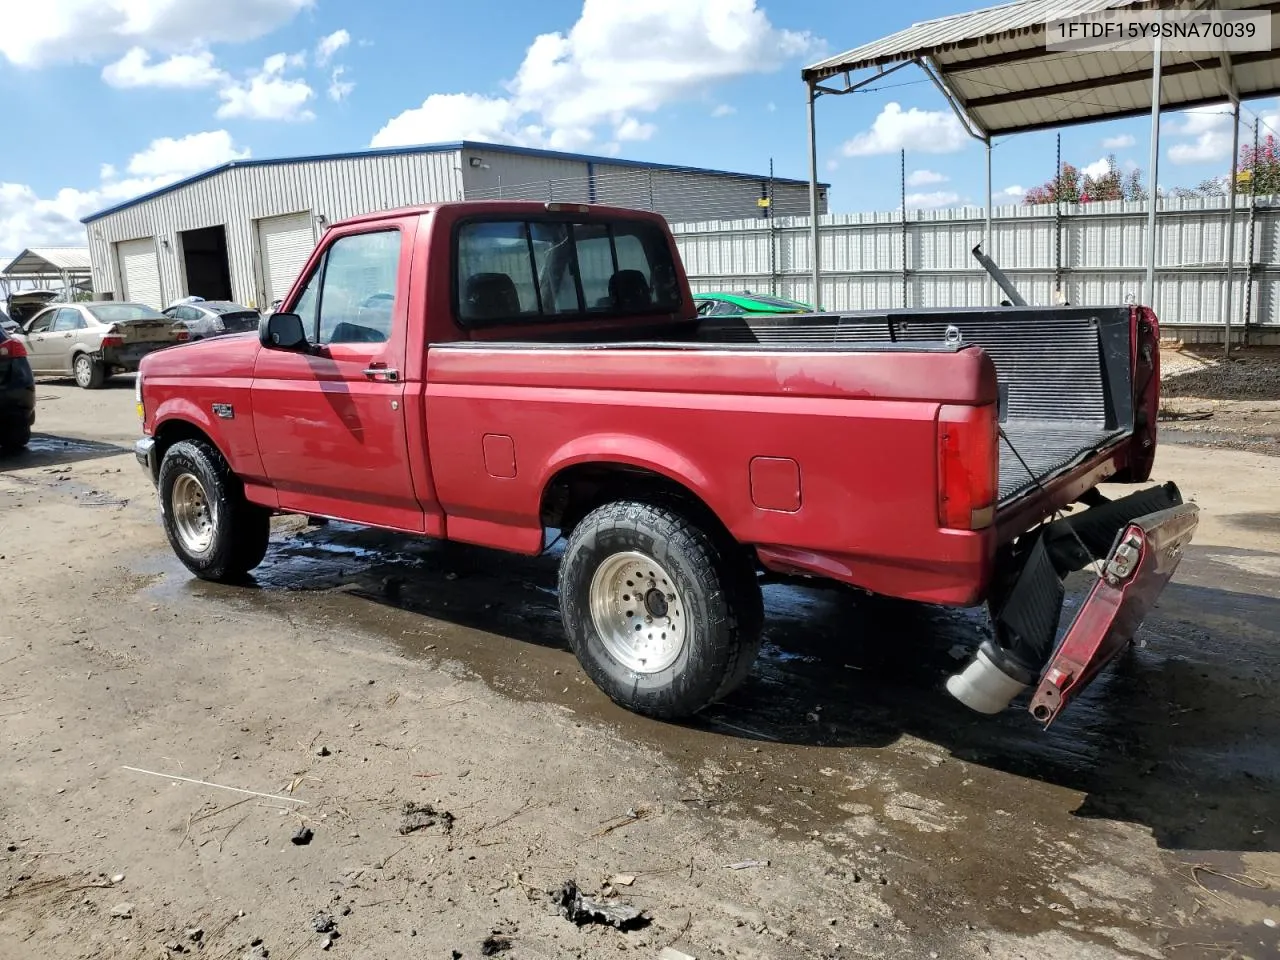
{"x":638,"y":613}
{"x":193,"y":515}
{"x":84,"y":370}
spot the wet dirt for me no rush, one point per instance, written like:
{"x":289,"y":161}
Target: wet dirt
{"x":1142,"y":824}
{"x":980,"y":820}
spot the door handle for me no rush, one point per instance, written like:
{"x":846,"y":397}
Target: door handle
{"x":66,"y":336}
{"x":386,"y":373}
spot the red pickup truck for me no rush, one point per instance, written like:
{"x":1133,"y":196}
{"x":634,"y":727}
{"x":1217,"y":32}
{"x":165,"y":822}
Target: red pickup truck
{"x":501,"y":373}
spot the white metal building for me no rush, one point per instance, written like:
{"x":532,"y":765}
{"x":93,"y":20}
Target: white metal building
{"x":242,"y":231}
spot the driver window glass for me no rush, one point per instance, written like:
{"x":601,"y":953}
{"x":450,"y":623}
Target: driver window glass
{"x":359,"y":289}
{"x":42,"y":323}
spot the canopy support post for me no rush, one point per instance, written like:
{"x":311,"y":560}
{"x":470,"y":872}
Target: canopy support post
{"x":1152,"y":199}
{"x":814,"y":264}
{"x":986,"y":227}
{"x":1231,"y":227}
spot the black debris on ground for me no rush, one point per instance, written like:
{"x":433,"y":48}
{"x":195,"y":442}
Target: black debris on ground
{"x":493,"y":945}
{"x":582,"y":910}
{"x":301,"y":837}
{"x":323,"y":923}
{"x":420,"y":816}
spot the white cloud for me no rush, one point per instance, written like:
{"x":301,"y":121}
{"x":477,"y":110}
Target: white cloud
{"x":1122,"y":142}
{"x":617,"y":62}
{"x":1212,"y":146}
{"x":1200,"y":120}
{"x":182,"y":70}
{"x":268,"y":94}
{"x":339,"y":89}
{"x":1012,"y":192}
{"x":1099,"y":168}
{"x":27,"y":219}
{"x":916,"y":130}
{"x":923,"y":178}
{"x":167,"y":157}
{"x":936,"y":198}
{"x":330,"y":45}
{"x":833,"y":165}
{"x":455,"y":116}
{"x":632,"y":129}
{"x":723,"y":110}
{"x":1211,"y":128}
{"x":37,"y":34}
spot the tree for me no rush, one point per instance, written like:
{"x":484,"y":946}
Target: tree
{"x":1070,"y":187}
{"x":1261,"y":166}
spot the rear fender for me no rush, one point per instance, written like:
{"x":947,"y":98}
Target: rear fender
{"x":630,"y":451}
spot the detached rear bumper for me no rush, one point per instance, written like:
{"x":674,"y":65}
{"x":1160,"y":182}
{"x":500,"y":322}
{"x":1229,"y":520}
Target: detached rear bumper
{"x":1138,"y":568}
{"x":1140,"y":540}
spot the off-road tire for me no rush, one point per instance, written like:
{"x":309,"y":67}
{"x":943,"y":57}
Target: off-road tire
{"x":89,"y":372}
{"x":718,"y":590}
{"x":240,"y":529}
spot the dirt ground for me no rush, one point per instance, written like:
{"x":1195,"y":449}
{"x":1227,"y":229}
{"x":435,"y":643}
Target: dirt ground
{"x":364,"y":671}
{"x":1219,"y":402}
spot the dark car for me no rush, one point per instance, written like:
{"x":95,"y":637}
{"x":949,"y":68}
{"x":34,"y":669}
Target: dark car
{"x":212,"y":318}
{"x":17,"y":395}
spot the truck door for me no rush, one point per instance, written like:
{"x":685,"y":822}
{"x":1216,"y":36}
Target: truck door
{"x":330,"y":420}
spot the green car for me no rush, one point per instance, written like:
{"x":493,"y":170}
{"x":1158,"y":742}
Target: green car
{"x":745,"y":304}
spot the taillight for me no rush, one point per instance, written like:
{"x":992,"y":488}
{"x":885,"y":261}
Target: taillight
{"x":183,"y":336}
{"x":12,"y":349}
{"x":112,"y":340}
{"x":968,"y":466}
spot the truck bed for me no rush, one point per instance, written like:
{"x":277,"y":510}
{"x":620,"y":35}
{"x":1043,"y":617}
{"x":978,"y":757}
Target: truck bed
{"x":1063,"y":372}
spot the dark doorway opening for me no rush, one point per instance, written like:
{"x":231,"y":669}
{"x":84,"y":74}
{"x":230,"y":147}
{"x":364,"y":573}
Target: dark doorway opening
{"x":204,"y":256}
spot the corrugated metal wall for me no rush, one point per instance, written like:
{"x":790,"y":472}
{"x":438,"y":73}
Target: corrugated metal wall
{"x":1098,"y":251}
{"x":344,"y":187}
{"x":676,"y":194}
{"x":242,"y":195}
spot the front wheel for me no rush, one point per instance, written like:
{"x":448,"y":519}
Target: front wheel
{"x":89,"y":373}
{"x":663,"y":614}
{"x":214,"y":530}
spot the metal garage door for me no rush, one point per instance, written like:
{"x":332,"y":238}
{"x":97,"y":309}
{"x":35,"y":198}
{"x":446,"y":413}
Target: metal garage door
{"x":140,"y":271}
{"x":285,"y":244}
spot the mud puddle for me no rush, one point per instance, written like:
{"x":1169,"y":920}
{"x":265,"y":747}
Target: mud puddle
{"x":844,"y":737}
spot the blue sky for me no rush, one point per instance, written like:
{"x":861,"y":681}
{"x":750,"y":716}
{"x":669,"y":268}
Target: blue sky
{"x":147,"y":91}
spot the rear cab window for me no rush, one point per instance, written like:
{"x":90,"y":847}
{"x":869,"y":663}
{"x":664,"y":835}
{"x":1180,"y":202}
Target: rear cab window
{"x":539,"y":269}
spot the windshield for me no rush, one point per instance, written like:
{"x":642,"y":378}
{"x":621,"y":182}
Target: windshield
{"x":121,"y":312}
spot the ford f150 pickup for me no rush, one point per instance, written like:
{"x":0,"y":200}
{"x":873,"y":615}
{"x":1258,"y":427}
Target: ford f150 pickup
{"x":498,"y":372}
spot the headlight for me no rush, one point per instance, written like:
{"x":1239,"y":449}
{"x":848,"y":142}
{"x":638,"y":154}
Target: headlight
{"x":137,"y":395}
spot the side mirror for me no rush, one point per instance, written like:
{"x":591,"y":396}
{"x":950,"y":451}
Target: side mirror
{"x":283,"y":331}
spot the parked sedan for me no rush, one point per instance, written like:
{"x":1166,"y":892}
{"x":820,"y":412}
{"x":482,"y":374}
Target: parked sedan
{"x":92,"y":341}
{"x":745,"y":304}
{"x":17,"y":395}
{"x":211,"y":318}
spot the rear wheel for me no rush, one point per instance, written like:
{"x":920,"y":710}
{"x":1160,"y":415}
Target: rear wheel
{"x":663,"y":613}
{"x":89,"y":372}
{"x":214,"y":530}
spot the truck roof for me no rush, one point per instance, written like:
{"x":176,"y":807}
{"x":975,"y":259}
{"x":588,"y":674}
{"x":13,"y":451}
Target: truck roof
{"x":513,"y":207}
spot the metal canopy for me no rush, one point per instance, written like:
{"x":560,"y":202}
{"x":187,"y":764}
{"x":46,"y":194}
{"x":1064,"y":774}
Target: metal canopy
{"x":993,"y":68}
{"x":48,"y":261}
{"x":997,"y":73}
